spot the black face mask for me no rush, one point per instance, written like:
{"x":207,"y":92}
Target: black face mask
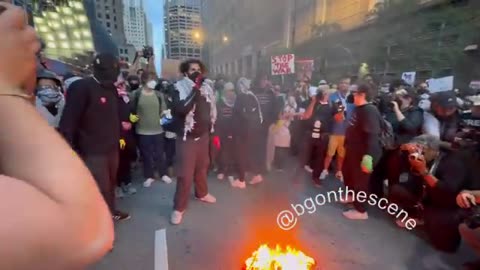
{"x":106,"y":69}
{"x":134,"y":86}
{"x":194,"y":76}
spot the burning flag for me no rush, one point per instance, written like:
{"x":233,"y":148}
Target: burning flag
{"x":265,"y":258}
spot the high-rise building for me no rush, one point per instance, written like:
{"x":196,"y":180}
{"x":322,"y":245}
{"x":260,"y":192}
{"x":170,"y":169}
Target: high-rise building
{"x":183,"y":29}
{"x":110,"y":15}
{"x":134,"y":23}
{"x":149,"y":32}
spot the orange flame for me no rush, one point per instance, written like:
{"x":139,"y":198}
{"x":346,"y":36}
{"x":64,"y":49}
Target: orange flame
{"x":265,"y":258}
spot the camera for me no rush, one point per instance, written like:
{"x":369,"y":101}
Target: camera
{"x":147,"y":52}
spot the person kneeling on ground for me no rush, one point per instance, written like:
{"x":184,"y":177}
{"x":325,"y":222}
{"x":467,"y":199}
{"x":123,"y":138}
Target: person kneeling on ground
{"x":434,"y":180}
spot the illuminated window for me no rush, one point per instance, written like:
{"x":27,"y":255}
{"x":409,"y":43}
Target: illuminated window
{"x":53,"y":15}
{"x":51,"y":45}
{"x":86,"y":33}
{"x":50,"y":37}
{"x":77,"y":34}
{"x":69,"y":22}
{"x":62,"y":35}
{"x":43,"y":28}
{"x":82,"y":19}
{"x":78,"y":5}
{"x":78,"y":45}
{"x":67,"y":11}
{"x":89,"y":45}
{"x":65,"y":45}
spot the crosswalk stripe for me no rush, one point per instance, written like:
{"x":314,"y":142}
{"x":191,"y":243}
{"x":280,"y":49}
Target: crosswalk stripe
{"x":161,"y":254}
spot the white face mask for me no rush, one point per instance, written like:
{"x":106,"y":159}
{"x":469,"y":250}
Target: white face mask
{"x":152,"y":84}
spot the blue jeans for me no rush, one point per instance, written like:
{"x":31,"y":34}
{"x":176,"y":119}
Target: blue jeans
{"x":151,"y":149}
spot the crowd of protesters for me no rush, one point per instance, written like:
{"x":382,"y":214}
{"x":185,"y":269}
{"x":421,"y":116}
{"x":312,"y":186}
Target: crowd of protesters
{"x":416,"y":148}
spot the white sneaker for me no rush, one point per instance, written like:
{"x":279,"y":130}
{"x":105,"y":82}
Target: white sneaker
{"x":323,"y":175}
{"x":176,"y":217}
{"x":308,"y":169}
{"x":354,"y":214}
{"x":119,"y":193}
{"x":346,"y":200}
{"x":148,"y":182}
{"x":256,"y":180}
{"x":339,"y":175}
{"x":238,"y":184}
{"x":208,"y":199}
{"x":220,"y":176}
{"x":166,"y":179}
{"x":129,"y":189}
{"x":230,"y":179}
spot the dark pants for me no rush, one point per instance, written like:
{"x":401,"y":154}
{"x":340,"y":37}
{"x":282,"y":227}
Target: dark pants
{"x":441,"y":223}
{"x":124,"y":174}
{"x":151,"y":150}
{"x":471,"y":237}
{"x":313,"y":154}
{"x":354,"y":177}
{"x":226,"y":157}
{"x":192,"y":161}
{"x":281,"y":157}
{"x":241,"y":155}
{"x":390,"y":167}
{"x":169,"y":151}
{"x":258,"y":151}
{"x":104,"y":170}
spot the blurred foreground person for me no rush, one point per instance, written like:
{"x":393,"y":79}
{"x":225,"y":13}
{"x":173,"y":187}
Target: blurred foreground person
{"x":57,"y":219}
{"x":91,"y":124}
{"x":194,"y":113}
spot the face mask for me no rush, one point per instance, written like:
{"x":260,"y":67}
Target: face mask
{"x":194,"y":76}
{"x":152,"y":84}
{"x":49,"y":96}
{"x":134,"y":86}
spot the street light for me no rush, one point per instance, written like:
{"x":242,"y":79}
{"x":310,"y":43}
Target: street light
{"x":225,"y":38}
{"x":196,"y":35}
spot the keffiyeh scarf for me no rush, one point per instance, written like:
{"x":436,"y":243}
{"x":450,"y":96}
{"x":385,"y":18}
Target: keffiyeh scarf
{"x":185,"y":88}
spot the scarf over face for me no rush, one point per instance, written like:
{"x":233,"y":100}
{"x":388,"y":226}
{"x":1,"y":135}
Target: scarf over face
{"x":185,"y":88}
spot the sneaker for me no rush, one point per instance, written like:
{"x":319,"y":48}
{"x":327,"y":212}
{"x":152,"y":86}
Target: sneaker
{"x":324,"y":174}
{"x":166,"y":179}
{"x":346,"y":200}
{"x":220,"y":176}
{"x":339,"y":175}
{"x":119,"y":193}
{"x":230,"y":179}
{"x":176,"y":217}
{"x":129,"y":189}
{"x":256,"y":180}
{"x":354,"y":214}
{"x":238,"y":184}
{"x":148,"y":182}
{"x":120,"y":216}
{"x":308,"y":169}
{"x":208,"y":199}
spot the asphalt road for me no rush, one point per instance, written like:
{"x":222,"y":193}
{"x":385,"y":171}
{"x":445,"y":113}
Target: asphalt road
{"x":221,"y":236}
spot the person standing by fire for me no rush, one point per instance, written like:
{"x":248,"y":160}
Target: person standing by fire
{"x":363,"y":149}
{"x":194,"y":114}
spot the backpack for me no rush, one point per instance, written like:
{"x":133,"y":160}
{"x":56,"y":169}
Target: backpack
{"x":387,"y":136}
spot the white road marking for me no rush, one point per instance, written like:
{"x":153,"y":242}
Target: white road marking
{"x":161,"y":254}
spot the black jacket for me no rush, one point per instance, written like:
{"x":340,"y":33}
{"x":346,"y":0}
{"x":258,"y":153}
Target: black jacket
{"x":90,"y":122}
{"x":224,"y":126}
{"x":180,"y":109}
{"x":409,"y":127}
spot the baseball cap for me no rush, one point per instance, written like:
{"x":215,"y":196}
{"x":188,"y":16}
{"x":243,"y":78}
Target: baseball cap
{"x":446,"y":99}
